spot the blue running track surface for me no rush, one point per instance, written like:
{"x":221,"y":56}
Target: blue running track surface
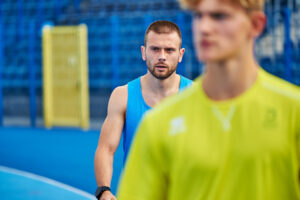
{"x":63,"y":155}
{"x":19,"y":185}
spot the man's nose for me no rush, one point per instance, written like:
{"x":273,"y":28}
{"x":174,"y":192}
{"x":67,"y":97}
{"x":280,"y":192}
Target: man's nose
{"x":162,"y":56}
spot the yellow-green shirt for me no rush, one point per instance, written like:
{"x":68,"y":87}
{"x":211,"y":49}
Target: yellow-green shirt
{"x":193,"y":148}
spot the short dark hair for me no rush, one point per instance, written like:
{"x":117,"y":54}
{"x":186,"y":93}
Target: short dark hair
{"x":163,"y":27}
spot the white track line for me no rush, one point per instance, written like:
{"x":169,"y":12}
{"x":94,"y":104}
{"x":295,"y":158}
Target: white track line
{"x":46,"y":180}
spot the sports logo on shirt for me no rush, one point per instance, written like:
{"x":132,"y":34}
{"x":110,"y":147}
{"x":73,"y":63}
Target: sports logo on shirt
{"x":177,"y":125}
{"x":270,"y":118}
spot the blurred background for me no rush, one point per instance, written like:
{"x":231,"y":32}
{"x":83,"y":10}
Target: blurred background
{"x":115,"y":32}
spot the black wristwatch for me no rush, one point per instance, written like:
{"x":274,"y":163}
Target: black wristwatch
{"x":100,"y":191}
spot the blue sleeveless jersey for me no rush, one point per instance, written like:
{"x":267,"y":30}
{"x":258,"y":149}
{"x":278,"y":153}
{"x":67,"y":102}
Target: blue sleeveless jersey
{"x":136,"y":108}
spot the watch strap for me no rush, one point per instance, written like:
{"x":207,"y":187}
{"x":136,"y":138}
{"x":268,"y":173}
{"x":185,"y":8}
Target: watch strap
{"x":100,"y":191}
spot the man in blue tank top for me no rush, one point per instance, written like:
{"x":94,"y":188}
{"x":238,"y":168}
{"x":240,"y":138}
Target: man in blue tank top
{"x":162,"y":52}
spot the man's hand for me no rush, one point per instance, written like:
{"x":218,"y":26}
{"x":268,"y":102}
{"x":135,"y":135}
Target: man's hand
{"x":107,"y":195}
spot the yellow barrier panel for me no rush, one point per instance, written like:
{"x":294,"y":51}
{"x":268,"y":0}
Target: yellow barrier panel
{"x":65,"y":76}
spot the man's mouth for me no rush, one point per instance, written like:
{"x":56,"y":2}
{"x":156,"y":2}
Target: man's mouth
{"x":205,"y":43}
{"x":161,"y":66}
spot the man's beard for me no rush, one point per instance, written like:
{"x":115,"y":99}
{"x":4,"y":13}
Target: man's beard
{"x":160,"y":76}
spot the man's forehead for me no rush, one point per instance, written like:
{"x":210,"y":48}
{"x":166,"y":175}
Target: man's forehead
{"x":163,"y":44}
{"x":163,"y":38}
{"x":214,"y":10}
{"x":216,"y":5}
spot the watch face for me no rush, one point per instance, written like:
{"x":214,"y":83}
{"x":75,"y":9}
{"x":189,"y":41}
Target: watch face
{"x":98,"y":191}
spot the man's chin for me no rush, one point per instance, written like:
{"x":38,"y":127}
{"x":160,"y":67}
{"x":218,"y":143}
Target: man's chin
{"x":207,"y":58}
{"x":161,"y":76}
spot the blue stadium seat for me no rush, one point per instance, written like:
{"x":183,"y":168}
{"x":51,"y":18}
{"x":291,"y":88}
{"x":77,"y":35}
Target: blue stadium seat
{"x":133,"y":18}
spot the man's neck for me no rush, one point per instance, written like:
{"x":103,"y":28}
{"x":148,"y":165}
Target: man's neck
{"x":160,"y":87}
{"x":228,"y":79}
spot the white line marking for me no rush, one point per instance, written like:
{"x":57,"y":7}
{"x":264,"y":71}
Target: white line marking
{"x":225,"y":120}
{"x":46,"y":180}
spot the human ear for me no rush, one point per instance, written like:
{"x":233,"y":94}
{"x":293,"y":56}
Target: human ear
{"x":143,"y":51}
{"x":181,"y":52}
{"x":258,"y":20}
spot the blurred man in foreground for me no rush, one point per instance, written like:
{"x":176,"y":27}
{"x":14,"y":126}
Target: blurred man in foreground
{"x":235,"y":134}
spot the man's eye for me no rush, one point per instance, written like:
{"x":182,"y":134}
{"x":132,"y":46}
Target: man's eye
{"x":155,"y":49}
{"x":170,"y":50}
{"x":219,"y":16}
{"x":197,"y":15}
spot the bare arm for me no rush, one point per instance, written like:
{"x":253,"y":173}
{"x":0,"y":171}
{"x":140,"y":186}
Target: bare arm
{"x":110,"y":136}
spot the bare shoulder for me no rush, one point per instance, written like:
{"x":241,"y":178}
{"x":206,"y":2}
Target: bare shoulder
{"x":119,"y":94}
{"x":118,"y":99}
{"x":120,"y":90}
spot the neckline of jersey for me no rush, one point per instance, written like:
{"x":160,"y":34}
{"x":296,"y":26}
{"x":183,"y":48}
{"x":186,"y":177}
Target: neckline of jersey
{"x":141,"y":94}
{"x":229,"y":102}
